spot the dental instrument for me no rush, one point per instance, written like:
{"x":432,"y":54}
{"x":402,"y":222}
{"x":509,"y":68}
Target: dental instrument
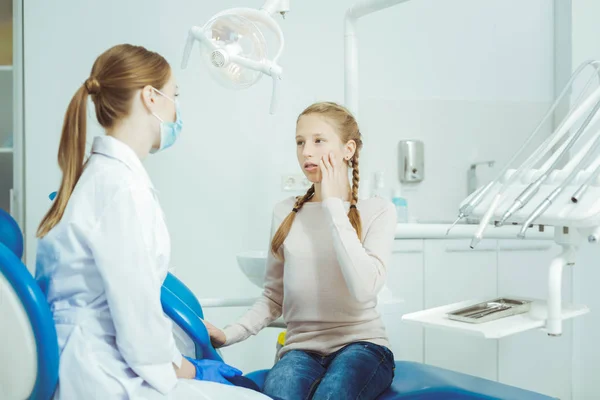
{"x":532,"y":189}
{"x":467,"y":208}
{"x":583,"y":156}
{"x":577,"y":196}
{"x":234,"y":49}
{"x":573,"y":115}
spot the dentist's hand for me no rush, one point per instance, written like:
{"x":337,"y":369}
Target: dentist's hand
{"x":213,"y":371}
{"x":334,"y":177}
{"x":217,"y":336}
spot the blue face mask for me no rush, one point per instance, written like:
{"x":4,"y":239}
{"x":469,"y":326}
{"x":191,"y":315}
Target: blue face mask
{"x":169,"y":131}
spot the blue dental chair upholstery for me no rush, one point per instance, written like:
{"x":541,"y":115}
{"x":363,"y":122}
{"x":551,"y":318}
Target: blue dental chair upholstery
{"x":25,"y":302}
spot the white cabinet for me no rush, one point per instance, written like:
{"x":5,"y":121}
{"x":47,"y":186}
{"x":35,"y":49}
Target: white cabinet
{"x":454,"y":272}
{"x":405,"y":280}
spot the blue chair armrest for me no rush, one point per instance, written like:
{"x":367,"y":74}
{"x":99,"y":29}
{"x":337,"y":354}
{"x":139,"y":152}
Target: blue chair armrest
{"x":187,"y":318}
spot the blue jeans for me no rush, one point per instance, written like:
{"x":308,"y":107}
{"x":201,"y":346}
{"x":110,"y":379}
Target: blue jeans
{"x":244,"y":382}
{"x":360,"y":370}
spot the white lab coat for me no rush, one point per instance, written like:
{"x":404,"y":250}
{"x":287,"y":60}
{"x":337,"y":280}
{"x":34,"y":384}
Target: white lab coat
{"x":104,"y":265}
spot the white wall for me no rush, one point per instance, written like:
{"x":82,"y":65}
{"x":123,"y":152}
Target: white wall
{"x":586,"y":45}
{"x":470,"y":78}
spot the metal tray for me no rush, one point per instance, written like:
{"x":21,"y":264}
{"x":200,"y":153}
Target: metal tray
{"x":490,"y":310}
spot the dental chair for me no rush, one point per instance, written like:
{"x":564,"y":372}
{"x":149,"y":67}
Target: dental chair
{"x":29,"y":350}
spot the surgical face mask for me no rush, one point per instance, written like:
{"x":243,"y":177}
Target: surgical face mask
{"x":169,"y":131}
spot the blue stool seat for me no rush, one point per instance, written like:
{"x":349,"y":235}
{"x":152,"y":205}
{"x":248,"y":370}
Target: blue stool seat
{"x":425,"y":382}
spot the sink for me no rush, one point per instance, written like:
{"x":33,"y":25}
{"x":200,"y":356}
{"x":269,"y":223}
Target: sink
{"x":254,"y":265}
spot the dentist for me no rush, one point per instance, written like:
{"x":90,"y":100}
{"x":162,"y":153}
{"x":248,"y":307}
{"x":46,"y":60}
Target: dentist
{"x":104,"y":247}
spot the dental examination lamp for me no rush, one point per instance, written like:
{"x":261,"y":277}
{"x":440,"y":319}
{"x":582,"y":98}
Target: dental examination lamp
{"x":233,"y":46}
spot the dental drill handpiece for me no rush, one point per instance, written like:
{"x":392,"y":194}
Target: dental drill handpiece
{"x":576,"y":197}
{"x":533,"y":188}
{"x":468,"y":208}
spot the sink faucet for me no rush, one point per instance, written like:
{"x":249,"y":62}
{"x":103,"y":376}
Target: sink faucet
{"x":472,"y":183}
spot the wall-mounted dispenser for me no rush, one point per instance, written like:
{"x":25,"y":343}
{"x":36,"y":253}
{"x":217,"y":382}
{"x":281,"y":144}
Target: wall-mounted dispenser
{"x":411,"y":161}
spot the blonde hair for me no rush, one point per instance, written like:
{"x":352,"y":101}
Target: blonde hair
{"x":347,"y":129}
{"x":116,"y":75}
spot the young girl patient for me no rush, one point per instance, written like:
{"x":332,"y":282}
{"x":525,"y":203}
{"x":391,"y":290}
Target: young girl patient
{"x":329,"y":253}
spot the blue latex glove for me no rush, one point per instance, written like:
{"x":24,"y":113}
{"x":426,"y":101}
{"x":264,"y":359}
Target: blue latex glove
{"x":213,"y":371}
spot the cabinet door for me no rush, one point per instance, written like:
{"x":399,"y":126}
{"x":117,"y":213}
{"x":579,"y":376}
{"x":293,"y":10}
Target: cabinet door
{"x":454,"y":272}
{"x":405,"y":280}
{"x":533,"y":360}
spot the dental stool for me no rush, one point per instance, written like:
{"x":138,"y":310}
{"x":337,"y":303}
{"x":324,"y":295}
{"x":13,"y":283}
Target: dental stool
{"x":412,"y":380}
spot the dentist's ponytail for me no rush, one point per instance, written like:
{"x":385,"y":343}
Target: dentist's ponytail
{"x":116,"y":76}
{"x":71,"y":152}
